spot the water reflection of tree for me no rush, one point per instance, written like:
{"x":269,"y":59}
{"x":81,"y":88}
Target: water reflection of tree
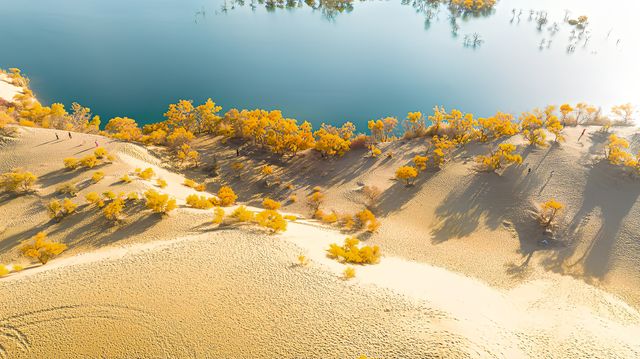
{"x":332,"y":8}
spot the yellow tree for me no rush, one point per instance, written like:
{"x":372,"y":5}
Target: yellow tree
{"x":414,"y":124}
{"x":565,"y":110}
{"x":497,"y":126}
{"x":123,"y":128}
{"x":502,"y":157}
{"x":616,"y":150}
{"x":407,"y":174}
{"x":549,"y":210}
{"x":554,"y":126}
{"x":41,"y":248}
{"x":532,"y":131}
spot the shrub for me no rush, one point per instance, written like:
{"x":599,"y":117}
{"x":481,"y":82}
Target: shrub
{"x":97,"y":176}
{"x":420,"y":162}
{"x":69,"y":188}
{"x":407,"y":174}
{"x":218,"y":215}
{"x":3,"y":270}
{"x":266,"y":170}
{"x":351,"y":253}
{"x":190,"y":183}
{"x":349,"y":273}
{"x":501,"y":157}
{"x":201,"y":187}
{"x":71,"y":163}
{"x":94,"y":198}
{"x":17,"y":181}
{"x":114,"y":209}
{"x":315,"y":199}
{"x":42,"y":249}
{"x":242,"y":214}
{"x":329,"y":217}
{"x":302,"y":260}
{"x":293,"y":198}
{"x":109,"y":195}
{"x":17,"y":268}
{"x":271,"y":219}
{"x":100,"y":153}
{"x":159,"y":203}
{"x":290,"y":217}
{"x":89,"y":161}
{"x":368,"y":219}
{"x":58,"y":210}
{"x":200,"y":202}
{"x":549,"y":210}
{"x":347,"y":222}
{"x":268,"y":203}
{"x":161,"y":183}
{"x":146,"y":174}
{"x":227,"y":196}
{"x":126,"y":179}
{"x":133,"y":196}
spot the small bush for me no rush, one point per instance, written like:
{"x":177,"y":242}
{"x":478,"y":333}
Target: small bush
{"x":133,"y":196}
{"x":201,"y":187}
{"x":97,"y":176}
{"x":71,"y":163}
{"x":161,"y":183}
{"x":351,"y":253}
{"x":190,"y":183}
{"x":109,"y":195}
{"x":17,"y":181}
{"x":218,"y":215}
{"x":549,"y":210}
{"x":58,"y":210}
{"x":200,"y":202}
{"x":314,"y":200}
{"x":126,"y":179}
{"x":271,"y":219}
{"x":302,"y":260}
{"x":113,"y":211}
{"x":290,"y":217}
{"x":407,"y":174}
{"x":159,"y":203}
{"x":89,"y":161}
{"x":329,"y":218}
{"x":3,"y":270}
{"x":17,"y":268}
{"x":146,"y":174}
{"x":293,"y":198}
{"x":94,"y":198}
{"x":100,"y":153}
{"x":227,"y":196}
{"x":242,"y":214}
{"x":69,"y":188}
{"x":268,"y":203}
{"x":42,"y":249}
{"x":349,"y":273}
{"x":368,"y":219}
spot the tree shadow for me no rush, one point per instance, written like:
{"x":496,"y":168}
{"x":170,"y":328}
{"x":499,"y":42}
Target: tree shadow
{"x":614,"y":203}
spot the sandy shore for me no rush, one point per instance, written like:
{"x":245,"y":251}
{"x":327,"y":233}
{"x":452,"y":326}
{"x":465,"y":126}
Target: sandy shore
{"x":8,"y":90}
{"x":181,"y":288}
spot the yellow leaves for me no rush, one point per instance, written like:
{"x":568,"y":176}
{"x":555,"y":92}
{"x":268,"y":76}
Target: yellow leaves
{"x":497,"y":126}
{"x":58,"y":210}
{"x":368,"y":219}
{"x":227,"y":196}
{"x":71,"y":163}
{"x":315,"y":199}
{"x":242,"y":214}
{"x":17,"y":181}
{"x":351,"y":252}
{"x":201,"y":202}
{"x":159,"y":203}
{"x":331,"y":144}
{"x":420,"y":162}
{"x":100,"y":152}
{"x":549,"y":210}
{"x":161,"y":183}
{"x":179,"y":137}
{"x":146,"y":174}
{"x":554,"y":126}
{"x":532,"y":129}
{"x":268,"y":203}
{"x":374,"y":151}
{"x":218,"y":215}
{"x":94,"y":198}
{"x":407,"y":174}
{"x":272,"y":220}
{"x":41,"y":248}
{"x":414,"y":124}
{"x":97,"y":176}
{"x":123,"y":128}
{"x":349,"y":273}
{"x":126,"y":179}
{"x":193,"y":184}
{"x":266,"y":170}
{"x":113,"y":210}
{"x":617,"y":154}
{"x":89,"y":161}
{"x":502,"y":157}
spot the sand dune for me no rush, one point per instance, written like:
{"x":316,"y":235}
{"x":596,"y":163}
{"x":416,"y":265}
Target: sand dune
{"x":180,"y":287}
{"x":7,"y":90}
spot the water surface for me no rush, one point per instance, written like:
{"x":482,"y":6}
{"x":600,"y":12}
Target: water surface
{"x":376,"y":58}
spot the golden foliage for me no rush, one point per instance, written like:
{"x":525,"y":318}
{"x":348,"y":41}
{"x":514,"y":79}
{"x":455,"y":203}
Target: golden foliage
{"x":159,"y":203}
{"x":351,"y":252}
{"x":147,"y":174}
{"x":201,"y":202}
{"x":97,"y":176}
{"x":17,"y":181}
{"x":349,"y":273}
{"x":368,"y":220}
{"x":71,"y":163}
{"x":502,"y":157}
{"x":3,"y":270}
{"x":58,"y":210}
{"x":272,"y":220}
{"x":126,"y":179}
{"x":69,"y":188}
{"x":242,"y":214}
{"x":268,"y":203}
{"x":161,"y":183}
{"x":113,"y":210}
{"x":94,"y":198}
{"x":407,"y":174}
{"x":549,"y":210}
{"x":227,"y":196}
{"x":41,"y":248}
{"x":100,"y":153}
{"x":89,"y":161}
{"x":218,"y":215}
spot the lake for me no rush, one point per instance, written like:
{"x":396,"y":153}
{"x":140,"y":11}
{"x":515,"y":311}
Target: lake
{"x":373,"y":59}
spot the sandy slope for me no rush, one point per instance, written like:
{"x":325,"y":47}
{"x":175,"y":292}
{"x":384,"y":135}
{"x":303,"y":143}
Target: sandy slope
{"x":7,"y":90}
{"x":179,"y":287}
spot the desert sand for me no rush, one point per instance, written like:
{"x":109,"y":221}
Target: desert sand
{"x":462,"y":275}
{"x":7,"y":90}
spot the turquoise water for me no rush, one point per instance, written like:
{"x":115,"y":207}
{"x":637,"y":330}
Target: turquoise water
{"x":378,"y":58}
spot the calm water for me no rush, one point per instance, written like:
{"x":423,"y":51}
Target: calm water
{"x":379,"y":58}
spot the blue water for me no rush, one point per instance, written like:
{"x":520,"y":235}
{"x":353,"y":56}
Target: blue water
{"x":381,"y":58}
